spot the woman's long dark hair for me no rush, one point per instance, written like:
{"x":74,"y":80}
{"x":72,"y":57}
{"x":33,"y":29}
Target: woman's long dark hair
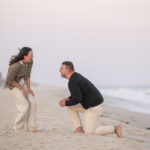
{"x":20,"y":56}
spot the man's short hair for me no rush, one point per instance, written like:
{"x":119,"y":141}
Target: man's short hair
{"x":69,"y":65}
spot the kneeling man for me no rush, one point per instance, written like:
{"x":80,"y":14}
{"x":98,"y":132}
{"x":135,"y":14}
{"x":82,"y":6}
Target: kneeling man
{"x":84,"y":98}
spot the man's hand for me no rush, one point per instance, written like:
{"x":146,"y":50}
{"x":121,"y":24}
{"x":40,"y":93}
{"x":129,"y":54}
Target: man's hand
{"x":30,"y":91}
{"x":62,"y":103}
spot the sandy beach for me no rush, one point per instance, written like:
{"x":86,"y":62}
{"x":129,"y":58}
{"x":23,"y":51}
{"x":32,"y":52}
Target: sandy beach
{"x":58,"y":129}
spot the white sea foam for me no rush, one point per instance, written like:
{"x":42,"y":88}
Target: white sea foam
{"x":135,"y":99}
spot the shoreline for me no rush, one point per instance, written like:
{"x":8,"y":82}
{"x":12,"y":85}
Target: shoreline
{"x":124,"y":115}
{"x":133,"y":106}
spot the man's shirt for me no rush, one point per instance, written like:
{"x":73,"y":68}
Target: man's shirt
{"x":83,"y":91}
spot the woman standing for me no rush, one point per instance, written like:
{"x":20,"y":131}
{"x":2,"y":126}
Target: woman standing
{"x":18,"y":82}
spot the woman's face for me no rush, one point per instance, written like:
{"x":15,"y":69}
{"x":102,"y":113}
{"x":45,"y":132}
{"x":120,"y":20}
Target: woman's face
{"x":29,"y":57}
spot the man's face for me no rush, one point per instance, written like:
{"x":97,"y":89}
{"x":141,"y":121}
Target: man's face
{"x":64,"y":71}
{"x":29,"y":57}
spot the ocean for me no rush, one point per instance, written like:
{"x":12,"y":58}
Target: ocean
{"x":133,"y":99}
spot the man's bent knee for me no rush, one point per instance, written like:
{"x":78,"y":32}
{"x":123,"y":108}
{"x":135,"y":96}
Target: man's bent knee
{"x":89,"y":131}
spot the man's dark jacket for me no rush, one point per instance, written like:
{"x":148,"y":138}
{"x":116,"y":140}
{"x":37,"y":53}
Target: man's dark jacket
{"x":83,"y":91}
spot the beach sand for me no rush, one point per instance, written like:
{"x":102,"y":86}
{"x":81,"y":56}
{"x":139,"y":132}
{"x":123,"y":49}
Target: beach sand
{"x":58,"y":129}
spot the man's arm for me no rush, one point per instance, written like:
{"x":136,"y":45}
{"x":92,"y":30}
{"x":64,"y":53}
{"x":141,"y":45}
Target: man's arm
{"x":76,"y":94}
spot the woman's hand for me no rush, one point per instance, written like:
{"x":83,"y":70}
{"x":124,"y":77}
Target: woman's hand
{"x":15,"y":84}
{"x":24,"y":92}
{"x":30,"y":91}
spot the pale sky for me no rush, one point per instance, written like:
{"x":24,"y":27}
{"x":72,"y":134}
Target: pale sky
{"x":107,"y":40}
